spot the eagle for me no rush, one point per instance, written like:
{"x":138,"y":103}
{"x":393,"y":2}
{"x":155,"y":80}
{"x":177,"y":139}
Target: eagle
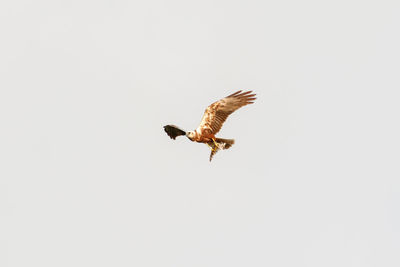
{"x":212,"y":121}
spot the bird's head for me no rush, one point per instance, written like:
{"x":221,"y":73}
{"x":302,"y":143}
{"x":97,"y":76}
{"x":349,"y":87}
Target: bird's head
{"x":190,"y":135}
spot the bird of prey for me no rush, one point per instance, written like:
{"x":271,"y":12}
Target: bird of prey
{"x":213,"y":118}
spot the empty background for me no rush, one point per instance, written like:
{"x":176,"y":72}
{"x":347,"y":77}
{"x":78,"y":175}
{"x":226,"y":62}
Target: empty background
{"x":89,"y":178}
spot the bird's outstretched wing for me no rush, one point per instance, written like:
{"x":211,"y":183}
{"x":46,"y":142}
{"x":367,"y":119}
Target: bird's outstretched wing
{"x":173,"y":131}
{"x":216,"y":113}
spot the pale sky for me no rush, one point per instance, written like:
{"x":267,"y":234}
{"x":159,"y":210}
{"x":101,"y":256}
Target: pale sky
{"x":89,"y":178}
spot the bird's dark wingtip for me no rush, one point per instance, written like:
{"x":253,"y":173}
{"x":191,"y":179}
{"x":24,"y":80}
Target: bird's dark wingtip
{"x":173,"y":131}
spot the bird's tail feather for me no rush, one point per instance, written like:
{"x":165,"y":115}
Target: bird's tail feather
{"x":222,"y":144}
{"x":225,"y":143}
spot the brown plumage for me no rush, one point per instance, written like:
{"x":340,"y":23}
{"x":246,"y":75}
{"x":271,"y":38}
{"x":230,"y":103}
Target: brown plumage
{"x":216,"y":114}
{"x":214,"y":117}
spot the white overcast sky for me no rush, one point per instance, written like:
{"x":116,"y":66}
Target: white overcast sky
{"x":89,"y":178}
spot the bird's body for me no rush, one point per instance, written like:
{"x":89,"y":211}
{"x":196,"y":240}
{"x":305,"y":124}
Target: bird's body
{"x":212,"y":121}
{"x":201,"y":136}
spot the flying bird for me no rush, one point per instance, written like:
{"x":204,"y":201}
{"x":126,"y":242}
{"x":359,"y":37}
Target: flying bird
{"x":212,"y":121}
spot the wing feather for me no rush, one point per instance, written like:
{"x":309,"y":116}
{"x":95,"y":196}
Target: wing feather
{"x":216,"y":114}
{"x":173,"y":131}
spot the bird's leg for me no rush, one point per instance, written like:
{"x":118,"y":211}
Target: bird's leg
{"x":212,"y":148}
{"x":215,"y":143}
